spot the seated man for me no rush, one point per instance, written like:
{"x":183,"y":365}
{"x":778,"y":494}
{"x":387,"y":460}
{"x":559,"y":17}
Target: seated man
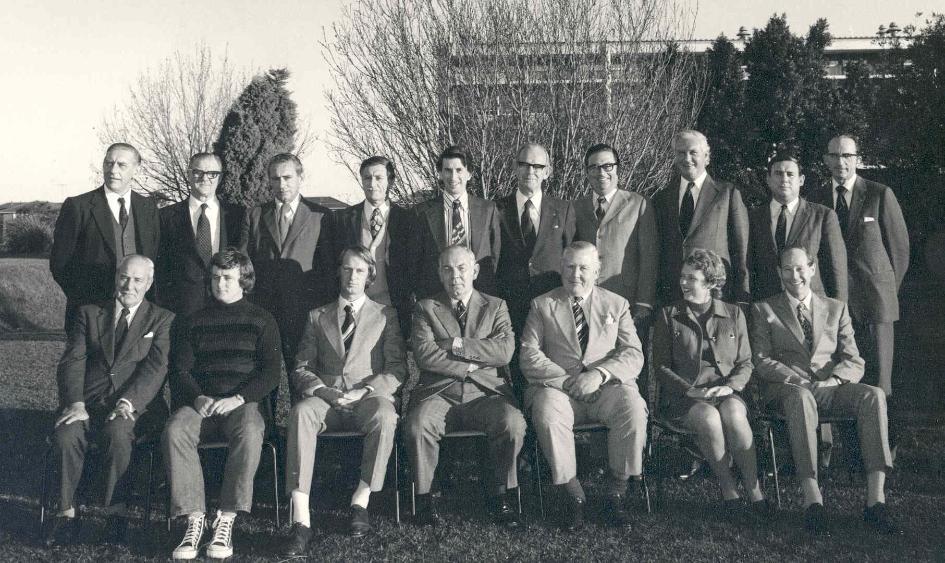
{"x":581,"y":357}
{"x":350,"y":364}
{"x":461,"y":338}
{"x":226,"y":362}
{"x":808,"y":362}
{"x":110,"y":377}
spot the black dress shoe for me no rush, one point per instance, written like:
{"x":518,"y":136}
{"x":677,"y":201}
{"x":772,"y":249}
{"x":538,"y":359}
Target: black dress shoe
{"x":360,"y":525}
{"x":116,"y":529}
{"x":502,"y":512}
{"x":615,"y":513}
{"x":762,"y":510}
{"x":426,"y":511}
{"x":296,"y":543}
{"x":815,"y":519}
{"x":60,"y":530}
{"x":573,"y":517}
{"x":877,"y":517}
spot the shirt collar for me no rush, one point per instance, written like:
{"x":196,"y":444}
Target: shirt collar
{"x":848,"y":184}
{"x":465,"y":301}
{"x":111,"y":196}
{"x":584,"y":298}
{"x":355,"y":305}
{"x":609,"y":196}
{"x":194,"y":203}
{"x":775,"y":206}
{"x":293,"y":205}
{"x":463,"y":200}
{"x":684,"y":183}
{"x":807,"y":301}
{"x":384,"y":207}
{"x":521,"y":198}
{"x":131,"y":310}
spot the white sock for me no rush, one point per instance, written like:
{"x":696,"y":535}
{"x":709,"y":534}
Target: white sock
{"x":68,"y":513}
{"x":227,"y":515}
{"x":361,"y":495}
{"x":811,"y":492}
{"x":875,"y":483}
{"x":300,"y":511}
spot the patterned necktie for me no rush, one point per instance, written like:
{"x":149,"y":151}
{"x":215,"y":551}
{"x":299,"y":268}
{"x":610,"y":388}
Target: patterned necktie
{"x":458,"y":236}
{"x":601,"y":208}
{"x":122,"y":213}
{"x":528,"y":227}
{"x":284,"y":221}
{"x":580,"y":323}
{"x":347,"y":327}
{"x":461,"y":315}
{"x":687,"y":210}
{"x":376,"y":223}
{"x":780,"y":231}
{"x":805,"y":326}
{"x":121,"y":329}
{"x":204,"y":245}
{"x":842,"y":209}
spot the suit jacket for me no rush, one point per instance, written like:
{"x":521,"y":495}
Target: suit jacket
{"x":551,"y":352}
{"x":781,"y":357}
{"x":377,"y":356}
{"x":430,"y":239}
{"x":83,"y":256}
{"x":719,"y":224}
{"x":815,"y":228}
{"x":183,"y":278}
{"x":299,"y":273}
{"x":877,"y":243}
{"x":488,"y":342}
{"x":524,"y":272}
{"x":93,"y":371}
{"x":628,"y":243}
{"x":677,"y":351}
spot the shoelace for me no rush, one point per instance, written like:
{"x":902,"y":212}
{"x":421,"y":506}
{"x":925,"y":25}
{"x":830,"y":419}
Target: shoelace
{"x":222,"y":530}
{"x":194,"y":531}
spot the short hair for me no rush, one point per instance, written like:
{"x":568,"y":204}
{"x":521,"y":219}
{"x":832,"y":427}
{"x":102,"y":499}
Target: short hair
{"x":600,"y":147}
{"x":282,"y":158}
{"x":854,"y":138}
{"x":693,"y":133}
{"x":126,"y":147}
{"x":453,"y":151}
{"x":784,"y":154}
{"x":711,"y":266}
{"x":457,"y":248}
{"x":231,"y":257}
{"x":383,"y":160}
{"x":786,"y":249}
{"x":201,"y":155}
{"x":130,"y":257}
{"x":364,"y":254}
{"x":580,"y":246}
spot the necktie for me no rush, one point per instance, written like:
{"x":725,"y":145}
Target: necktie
{"x":528,"y":227}
{"x":601,"y":208}
{"x":204,"y":246}
{"x":805,"y":326}
{"x":122,"y":213}
{"x":284,"y":221}
{"x":347,"y":327}
{"x":687,"y":210}
{"x":780,"y":231}
{"x":461,"y":315}
{"x":376,"y":222}
{"x":121,"y":329}
{"x":458,"y":236}
{"x":842,"y":209}
{"x":580,"y":323}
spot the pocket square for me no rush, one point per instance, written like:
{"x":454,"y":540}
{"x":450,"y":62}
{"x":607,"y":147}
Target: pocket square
{"x":610,"y":319}
{"x":149,"y":335}
{"x":868,"y":219}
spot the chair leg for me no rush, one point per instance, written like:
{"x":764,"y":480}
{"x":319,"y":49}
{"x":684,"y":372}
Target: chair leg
{"x":44,"y":494}
{"x":660,"y":470}
{"x":275,"y":481}
{"x":413,"y":498}
{"x":541,"y":498}
{"x":774,"y":465}
{"x":646,"y":493}
{"x":396,"y":484}
{"x":147,"y":494}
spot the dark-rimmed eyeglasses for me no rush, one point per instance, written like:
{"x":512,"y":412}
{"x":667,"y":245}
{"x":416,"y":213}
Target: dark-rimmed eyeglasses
{"x":843,"y":155}
{"x":606,"y":167}
{"x":532,"y":165}
{"x":208,"y":174}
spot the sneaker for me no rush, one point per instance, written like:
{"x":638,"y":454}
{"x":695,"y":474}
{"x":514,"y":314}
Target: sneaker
{"x":221,"y":546}
{"x":190,"y":545}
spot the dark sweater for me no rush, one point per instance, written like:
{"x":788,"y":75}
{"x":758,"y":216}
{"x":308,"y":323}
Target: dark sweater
{"x":224,"y":350}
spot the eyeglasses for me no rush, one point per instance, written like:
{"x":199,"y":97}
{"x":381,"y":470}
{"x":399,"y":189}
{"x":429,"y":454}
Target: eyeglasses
{"x":201,"y":174}
{"x":532,"y":165}
{"x":844,"y":156}
{"x":606,"y":167}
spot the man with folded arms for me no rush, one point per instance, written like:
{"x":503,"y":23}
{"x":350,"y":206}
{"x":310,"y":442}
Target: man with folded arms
{"x":110,"y":377}
{"x":807,"y":359}
{"x":350,"y":364}
{"x":581,"y":357}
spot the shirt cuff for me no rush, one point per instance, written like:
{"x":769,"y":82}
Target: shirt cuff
{"x":127,"y":402}
{"x":605,"y":375}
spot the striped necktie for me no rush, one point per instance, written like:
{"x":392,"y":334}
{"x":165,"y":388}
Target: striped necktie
{"x":805,"y":325}
{"x":580,"y":323}
{"x":376,"y":223}
{"x":601,"y":208}
{"x":461,"y":315}
{"x":347,"y":327}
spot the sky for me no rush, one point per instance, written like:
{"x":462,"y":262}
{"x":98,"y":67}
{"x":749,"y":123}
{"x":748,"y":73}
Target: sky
{"x":65,"y":65}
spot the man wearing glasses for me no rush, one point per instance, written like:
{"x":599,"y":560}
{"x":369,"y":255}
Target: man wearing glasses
{"x":194,"y":230}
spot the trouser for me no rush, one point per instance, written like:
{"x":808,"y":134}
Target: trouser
{"x":876,"y":342}
{"x":242,"y":429}
{"x":375,"y":417}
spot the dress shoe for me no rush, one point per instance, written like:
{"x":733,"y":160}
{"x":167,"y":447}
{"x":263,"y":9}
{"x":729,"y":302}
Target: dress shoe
{"x":762,"y":511}
{"x":116,"y":529}
{"x":60,"y":530}
{"x":573,"y":517}
{"x":296,"y":543}
{"x":877,"y":517}
{"x":360,"y":524}
{"x":426,"y":511}
{"x":502,"y":512}
{"x":615,"y":513}
{"x":815,"y":519}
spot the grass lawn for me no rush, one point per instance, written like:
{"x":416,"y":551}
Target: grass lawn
{"x":686,"y":527}
{"x":30,"y":301}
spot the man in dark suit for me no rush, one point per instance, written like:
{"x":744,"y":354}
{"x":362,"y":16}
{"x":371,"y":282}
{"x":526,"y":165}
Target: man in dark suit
{"x":194,"y":230}
{"x":697,"y":211}
{"x":461,"y":339}
{"x":110,"y":379}
{"x":877,"y":243}
{"x":455,"y":217}
{"x":790,"y":220}
{"x":97,"y":229}
{"x":386,"y":229}
{"x":289,"y":241}
{"x":806,"y":358}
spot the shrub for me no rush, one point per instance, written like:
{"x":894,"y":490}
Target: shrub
{"x":28,"y":234}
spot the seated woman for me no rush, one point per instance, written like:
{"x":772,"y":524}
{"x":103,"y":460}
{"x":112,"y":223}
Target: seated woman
{"x":703,"y":363}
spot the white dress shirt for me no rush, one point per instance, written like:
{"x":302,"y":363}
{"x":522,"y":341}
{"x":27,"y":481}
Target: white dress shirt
{"x":448,"y":214}
{"x":213,"y":215}
{"x":848,"y":195}
{"x":775,"y":209}
{"x":535,"y":213}
{"x":112,"y":199}
{"x":696,"y":190}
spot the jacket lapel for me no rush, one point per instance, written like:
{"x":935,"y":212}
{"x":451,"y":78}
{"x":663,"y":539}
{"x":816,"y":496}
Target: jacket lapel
{"x":329,"y":322}
{"x":513,"y":219}
{"x":706,"y":198}
{"x":271,"y":223}
{"x":818,"y":319}
{"x":616,"y":204}
{"x":434,"y":214}
{"x":184,"y":224}
{"x":299,"y":223}
{"x":104,"y":218}
{"x":444,"y":311}
{"x":135,"y":329}
{"x":857,"y":202}
{"x":106,"y":333}
{"x":801,"y":217}
{"x":476,"y":217}
{"x":368,"y":320}
{"x":561,"y":311}
{"x":474,"y":313}
{"x":789,"y":318}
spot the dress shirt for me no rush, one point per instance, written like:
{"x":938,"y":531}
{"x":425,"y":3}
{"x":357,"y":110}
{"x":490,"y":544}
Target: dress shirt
{"x":112,"y":199}
{"x":535,"y":215}
{"x":213,"y":215}
{"x":355,"y":308}
{"x":457,"y":344}
{"x":790,"y":212}
{"x":807,"y":301}
{"x":131,"y":313}
{"x":366,"y":220}
{"x":293,"y":207}
{"x":464,"y":213}
{"x":586,"y":307}
{"x":848,"y":185}
{"x":696,"y":190}
{"x":609,"y":196}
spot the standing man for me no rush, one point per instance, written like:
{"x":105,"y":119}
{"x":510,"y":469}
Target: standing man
{"x":581,"y":356}
{"x":97,"y":229}
{"x":806,"y":358}
{"x":350,"y":365}
{"x":790,"y":220}
{"x":877,"y":242}
{"x":461,"y":339}
{"x":455,"y":218}
{"x":696,"y":211}
{"x":386,"y":229}
{"x":110,"y":380}
{"x":194,"y":230}
{"x":289,"y":240}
